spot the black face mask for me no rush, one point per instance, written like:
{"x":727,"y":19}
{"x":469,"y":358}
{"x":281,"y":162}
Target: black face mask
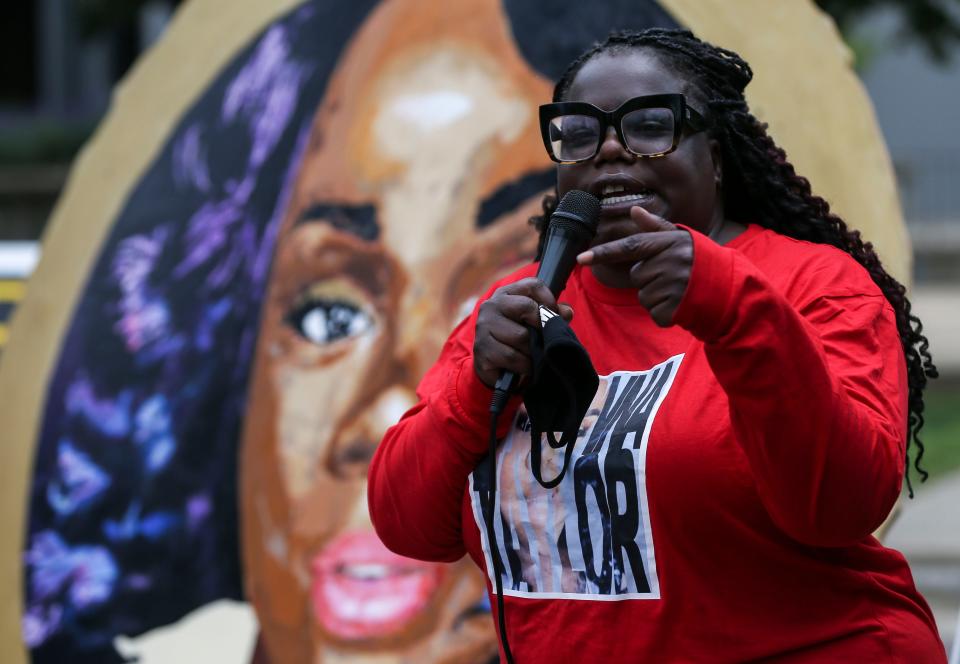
{"x":561,"y":388}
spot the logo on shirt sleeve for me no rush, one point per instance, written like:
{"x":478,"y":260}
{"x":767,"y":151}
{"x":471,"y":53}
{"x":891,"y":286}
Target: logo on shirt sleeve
{"x":589,"y":537}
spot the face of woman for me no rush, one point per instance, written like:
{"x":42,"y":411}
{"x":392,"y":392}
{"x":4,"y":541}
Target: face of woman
{"x":380,"y":255}
{"x":682,"y":187}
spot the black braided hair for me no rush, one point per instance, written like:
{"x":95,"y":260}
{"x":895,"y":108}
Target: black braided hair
{"x":761,"y":186}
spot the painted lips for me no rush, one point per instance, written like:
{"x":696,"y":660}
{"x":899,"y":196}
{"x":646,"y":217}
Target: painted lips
{"x":361,"y":589}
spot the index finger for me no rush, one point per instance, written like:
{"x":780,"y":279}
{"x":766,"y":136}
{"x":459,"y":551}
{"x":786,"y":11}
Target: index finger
{"x":647,"y":221}
{"x":632,"y":248}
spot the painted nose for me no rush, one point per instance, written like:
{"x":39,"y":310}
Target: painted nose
{"x":354,"y":447}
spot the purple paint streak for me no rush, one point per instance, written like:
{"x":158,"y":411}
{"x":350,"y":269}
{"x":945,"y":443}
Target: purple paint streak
{"x":144,"y":316}
{"x":86,"y":573}
{"x":190,"y":160}
{"x":108,"y":416}
{"x":79,"y":482}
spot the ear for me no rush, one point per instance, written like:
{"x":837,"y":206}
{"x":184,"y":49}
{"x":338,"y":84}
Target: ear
{"x":717,"y":155}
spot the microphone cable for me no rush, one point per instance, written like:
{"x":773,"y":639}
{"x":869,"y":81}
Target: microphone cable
{"x":497,"y":404}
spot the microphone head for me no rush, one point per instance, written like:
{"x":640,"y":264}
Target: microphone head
{"x":577,"y":211}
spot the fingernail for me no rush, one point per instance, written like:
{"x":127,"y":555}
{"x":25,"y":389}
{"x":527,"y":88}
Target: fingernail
{"x":585,"y":257}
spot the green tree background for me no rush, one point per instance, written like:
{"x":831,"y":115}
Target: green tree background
{"x":934,"y":24}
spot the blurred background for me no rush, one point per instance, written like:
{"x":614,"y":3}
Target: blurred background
{"x":61,"y":59}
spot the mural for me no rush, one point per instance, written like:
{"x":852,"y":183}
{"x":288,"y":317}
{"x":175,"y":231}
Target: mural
{"x":264,"y":299}
{"x":11,"y":292}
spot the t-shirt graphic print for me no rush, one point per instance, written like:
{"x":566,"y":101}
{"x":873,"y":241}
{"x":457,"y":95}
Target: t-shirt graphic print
{"x":589,"y":537}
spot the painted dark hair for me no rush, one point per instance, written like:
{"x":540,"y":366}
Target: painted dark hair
{"x":761,"y":186}
{"x":133,"y":507}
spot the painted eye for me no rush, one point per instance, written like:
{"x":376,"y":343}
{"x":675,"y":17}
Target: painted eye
{"x":323,"y":321}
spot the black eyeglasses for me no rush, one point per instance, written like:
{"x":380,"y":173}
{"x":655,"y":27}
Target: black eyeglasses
{"x":649,"y":126}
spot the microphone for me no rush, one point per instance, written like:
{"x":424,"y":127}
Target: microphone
{"x":572,"y":225}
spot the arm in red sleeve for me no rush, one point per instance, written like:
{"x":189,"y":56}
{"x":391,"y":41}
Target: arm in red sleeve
{"x":817,"y":391}
{"x":419,"y":473}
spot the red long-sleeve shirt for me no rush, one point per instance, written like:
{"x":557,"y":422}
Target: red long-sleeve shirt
{"x":722,"y":495}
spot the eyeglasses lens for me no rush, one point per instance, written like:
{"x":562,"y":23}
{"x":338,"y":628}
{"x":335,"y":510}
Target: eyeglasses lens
{"x":647,"y":131}
{"x":574,"y":137}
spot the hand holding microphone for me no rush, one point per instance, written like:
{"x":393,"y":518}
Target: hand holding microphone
{"x":501,"y":346}
{"x":503,"y":337}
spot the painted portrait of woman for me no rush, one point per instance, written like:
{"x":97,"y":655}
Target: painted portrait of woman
{"x":262,"y":306}
{"x":416,"y":184}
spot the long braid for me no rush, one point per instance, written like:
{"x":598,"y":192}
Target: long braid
{"x":761,"y":186}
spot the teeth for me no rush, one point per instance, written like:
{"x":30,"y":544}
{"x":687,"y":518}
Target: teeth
{"x":612,"y":200}
{"x":611,"y":189}
{"x":366,"y":572}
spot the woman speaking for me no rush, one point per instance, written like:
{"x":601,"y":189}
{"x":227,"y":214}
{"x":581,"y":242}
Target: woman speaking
{"x":761,"y":383}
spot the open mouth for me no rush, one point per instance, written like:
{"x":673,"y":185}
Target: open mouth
{"x":617,"y":195}
{"x":361,"y":589}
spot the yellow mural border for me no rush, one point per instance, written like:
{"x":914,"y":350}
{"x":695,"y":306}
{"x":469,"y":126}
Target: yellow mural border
{"x":162,"y":84}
